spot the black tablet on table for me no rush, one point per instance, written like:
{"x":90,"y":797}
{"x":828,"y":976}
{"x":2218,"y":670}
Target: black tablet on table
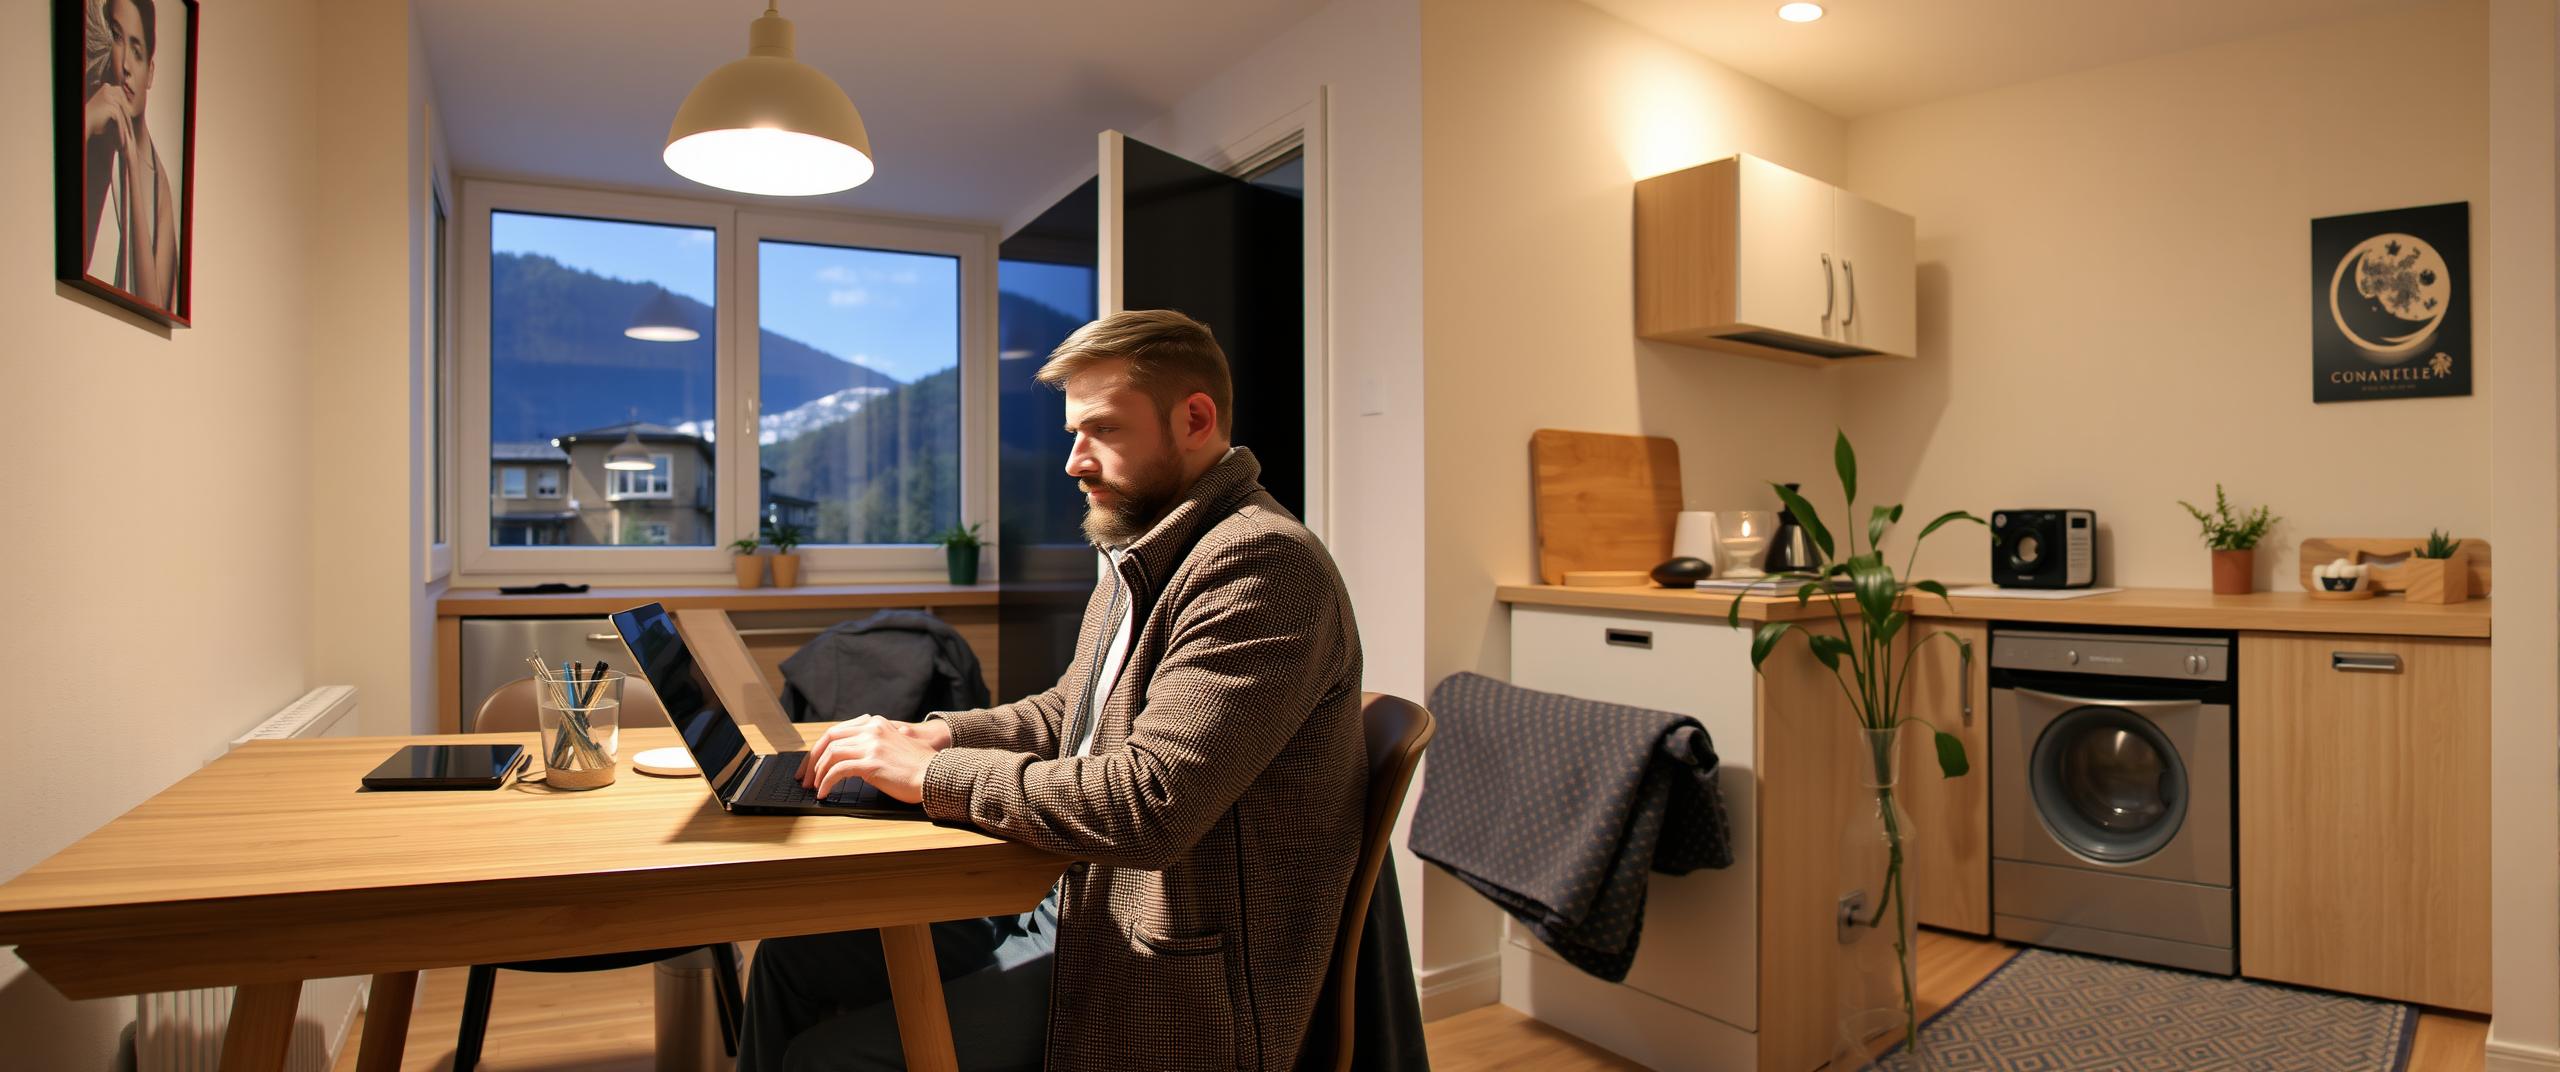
{"x":447,"y":766}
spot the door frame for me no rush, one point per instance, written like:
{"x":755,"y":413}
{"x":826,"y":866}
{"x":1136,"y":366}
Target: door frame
{"x":1301,"y":127}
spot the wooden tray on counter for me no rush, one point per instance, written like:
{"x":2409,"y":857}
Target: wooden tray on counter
{"x":1604,"y":502}
{"x":2385,"y":553}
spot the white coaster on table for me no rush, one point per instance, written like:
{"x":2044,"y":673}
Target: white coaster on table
{"x":670,"y":762}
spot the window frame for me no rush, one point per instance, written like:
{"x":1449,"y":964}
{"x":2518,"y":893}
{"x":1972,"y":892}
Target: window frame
{"x":738,"y":508}
{"x":975,"y":249}
{"x":512,"y":483}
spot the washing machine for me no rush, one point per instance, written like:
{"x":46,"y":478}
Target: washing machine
{"x":2112,"y":816}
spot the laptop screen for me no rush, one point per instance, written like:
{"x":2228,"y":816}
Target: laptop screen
{"x":709,"y":733}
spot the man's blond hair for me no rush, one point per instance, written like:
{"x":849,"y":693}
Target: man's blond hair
{"x":1171,"y":356}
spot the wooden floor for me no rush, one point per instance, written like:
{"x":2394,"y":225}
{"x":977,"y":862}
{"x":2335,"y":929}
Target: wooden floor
{"x":604,"y":1022}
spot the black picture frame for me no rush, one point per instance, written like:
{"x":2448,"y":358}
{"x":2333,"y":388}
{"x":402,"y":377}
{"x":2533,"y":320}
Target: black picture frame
{"x":102,"y":201}
{"x":2391,"y":304}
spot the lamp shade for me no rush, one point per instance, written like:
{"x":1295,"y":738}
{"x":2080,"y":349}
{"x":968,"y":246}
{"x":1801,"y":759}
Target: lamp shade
{"x":660,"y":319}
{"x":630,"y":455}
{"x":769,"y":124}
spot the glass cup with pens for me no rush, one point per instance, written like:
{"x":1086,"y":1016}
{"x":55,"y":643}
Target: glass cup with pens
{"x":580,"y":710}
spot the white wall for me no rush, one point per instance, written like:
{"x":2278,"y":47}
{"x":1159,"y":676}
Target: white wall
{"x":2521,"y":250}
{"x":372,"y":622}
{"x":1366,"y":54}
{"x":158,"y":588}
{"x":1538,"y":115}
{"x":2113,"y":267}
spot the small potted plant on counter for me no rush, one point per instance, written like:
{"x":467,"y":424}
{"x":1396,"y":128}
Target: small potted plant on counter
{"x":750,"y":565}
{"x":2234,"y":539}
{"x":960,"y":552}
{"x":2440,"y":572}
{"x":786,"y":561}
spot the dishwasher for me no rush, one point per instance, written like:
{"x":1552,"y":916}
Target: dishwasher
{"x":494,"y":651}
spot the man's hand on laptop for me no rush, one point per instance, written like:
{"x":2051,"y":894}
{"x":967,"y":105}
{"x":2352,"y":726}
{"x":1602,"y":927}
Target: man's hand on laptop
{"x":889,"y":755}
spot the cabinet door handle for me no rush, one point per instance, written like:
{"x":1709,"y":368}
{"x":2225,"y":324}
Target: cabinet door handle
{"x":1851,"y":271}
{"x":1964,"y":680}
{"x":614,"y":637}
{"x":1631,"y":638}
{"x":1830,"y":288}
{"x":2367,"y":662}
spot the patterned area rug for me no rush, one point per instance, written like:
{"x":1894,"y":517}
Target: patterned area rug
{"x":2054,"y":1012}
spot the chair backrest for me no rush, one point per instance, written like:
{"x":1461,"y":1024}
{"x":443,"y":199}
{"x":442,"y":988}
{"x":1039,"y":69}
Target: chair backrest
{"x":511,"y":708}
{"x":1397,"y":730}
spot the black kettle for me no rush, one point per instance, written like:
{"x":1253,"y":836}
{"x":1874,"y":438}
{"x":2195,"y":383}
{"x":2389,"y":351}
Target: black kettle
{"x":1790,"y":550}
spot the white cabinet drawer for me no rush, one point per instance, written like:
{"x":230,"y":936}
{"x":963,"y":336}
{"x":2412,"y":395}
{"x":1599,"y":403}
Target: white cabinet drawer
{"x":1700,"y":947}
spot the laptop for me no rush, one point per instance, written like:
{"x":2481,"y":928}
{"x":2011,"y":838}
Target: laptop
{"x":744,"y":781}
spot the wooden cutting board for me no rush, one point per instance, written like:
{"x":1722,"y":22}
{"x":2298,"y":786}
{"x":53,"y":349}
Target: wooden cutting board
{"x":1604,"y":502}
{"x":2386,"y":553}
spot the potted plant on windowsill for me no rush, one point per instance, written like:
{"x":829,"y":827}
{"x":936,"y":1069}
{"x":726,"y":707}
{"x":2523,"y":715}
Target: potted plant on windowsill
{"x":786,"y":561}
{"x":2440,"y":572}
{"x":960,"y":552}
{"x":2234,"y":537}
{"x":750,"y":565}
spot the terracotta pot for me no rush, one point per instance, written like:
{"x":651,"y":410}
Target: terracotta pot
{"x":786,"y":571}
{"x":750,"y":570}
{"x":2235,"y":573}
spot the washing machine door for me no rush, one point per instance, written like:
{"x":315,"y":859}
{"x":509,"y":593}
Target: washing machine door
{"x":2141,"y":786}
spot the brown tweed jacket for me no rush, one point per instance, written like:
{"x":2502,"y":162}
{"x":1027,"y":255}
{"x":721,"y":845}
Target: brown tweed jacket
{"x":1219,"y":813}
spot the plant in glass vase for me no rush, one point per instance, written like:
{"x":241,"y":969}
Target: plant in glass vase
{"x":1875,"y":676}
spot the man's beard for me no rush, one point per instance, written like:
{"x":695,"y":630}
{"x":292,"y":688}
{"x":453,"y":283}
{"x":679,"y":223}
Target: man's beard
{"x":1136,"y":505}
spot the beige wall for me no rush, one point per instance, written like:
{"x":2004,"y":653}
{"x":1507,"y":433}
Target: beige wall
{"x":1538,"y":115}
{"x":2113,"y":267}
{"x":371,"y":620}
{"x":2524,"y":464}
{"x":139,"y":643}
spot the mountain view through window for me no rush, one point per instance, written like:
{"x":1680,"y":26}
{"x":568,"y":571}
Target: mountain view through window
{"x":604,"y":387}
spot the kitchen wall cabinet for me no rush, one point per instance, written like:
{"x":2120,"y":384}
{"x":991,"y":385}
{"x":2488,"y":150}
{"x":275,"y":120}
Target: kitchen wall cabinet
{"x":2364,"y":815}
{"x":1744,"y":256}
{"x":1951,"y":858}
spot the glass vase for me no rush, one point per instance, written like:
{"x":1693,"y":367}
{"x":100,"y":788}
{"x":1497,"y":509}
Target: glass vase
{"x":1877,"y":929}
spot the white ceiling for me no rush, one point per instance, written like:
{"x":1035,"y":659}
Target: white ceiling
{"x":1869,"y":56}
{"x":977,"y":109}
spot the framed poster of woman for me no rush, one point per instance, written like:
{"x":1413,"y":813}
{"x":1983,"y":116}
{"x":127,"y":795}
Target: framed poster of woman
{"x":124,"y":152}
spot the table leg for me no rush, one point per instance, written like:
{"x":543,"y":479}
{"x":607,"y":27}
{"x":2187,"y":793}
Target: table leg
{"x":386,"y":1022}
{"x":261,"y":1027}
{"x":915,"y":987}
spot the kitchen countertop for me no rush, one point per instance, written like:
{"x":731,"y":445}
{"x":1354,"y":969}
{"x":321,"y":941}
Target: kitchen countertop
{"x":2172,"y":608}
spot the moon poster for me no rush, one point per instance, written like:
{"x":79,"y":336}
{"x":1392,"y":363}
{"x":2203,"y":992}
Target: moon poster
{"x":2391,"y":304}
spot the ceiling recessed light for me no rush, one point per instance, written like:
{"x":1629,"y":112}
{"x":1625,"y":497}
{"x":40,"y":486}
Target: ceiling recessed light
{"x":1800,"y":12}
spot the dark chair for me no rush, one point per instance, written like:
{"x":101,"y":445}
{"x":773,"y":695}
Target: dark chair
{"x":511,"y":709}
{"x":1397,"y":730}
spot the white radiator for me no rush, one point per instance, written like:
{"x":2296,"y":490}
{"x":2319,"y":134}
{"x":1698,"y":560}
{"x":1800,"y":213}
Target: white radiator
{"x":181,"y":1031}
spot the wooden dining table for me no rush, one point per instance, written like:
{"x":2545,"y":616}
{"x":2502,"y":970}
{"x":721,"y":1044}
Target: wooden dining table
{"x":273,"y":865}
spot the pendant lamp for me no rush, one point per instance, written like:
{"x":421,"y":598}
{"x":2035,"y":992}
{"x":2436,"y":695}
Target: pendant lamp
{"x":769,"y":124}
{"x":630,"y":455}
{"x":660,"y":319}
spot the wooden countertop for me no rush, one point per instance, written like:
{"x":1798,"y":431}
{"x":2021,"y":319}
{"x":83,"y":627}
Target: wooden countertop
{"x":486,"y":602}
{"x":2172,"y":608}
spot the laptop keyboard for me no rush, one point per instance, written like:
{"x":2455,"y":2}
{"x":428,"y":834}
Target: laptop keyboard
{"x":777,"y":784}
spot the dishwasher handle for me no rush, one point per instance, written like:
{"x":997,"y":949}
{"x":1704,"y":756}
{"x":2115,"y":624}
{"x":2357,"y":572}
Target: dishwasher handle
{"x":2364,"y":662}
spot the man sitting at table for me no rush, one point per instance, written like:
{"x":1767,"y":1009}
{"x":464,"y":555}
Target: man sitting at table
{"x":1202,"y":757}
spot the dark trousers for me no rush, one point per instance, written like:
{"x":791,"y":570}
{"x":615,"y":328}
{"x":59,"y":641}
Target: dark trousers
{"x":820,"y":1002}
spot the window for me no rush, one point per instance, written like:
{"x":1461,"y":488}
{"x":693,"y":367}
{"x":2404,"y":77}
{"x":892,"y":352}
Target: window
{"x":859,"y":374}
{"x":656,"y":482}
{"x":603,"y":333}
{"x":597,"y":325}
{"x":512,"y":483}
